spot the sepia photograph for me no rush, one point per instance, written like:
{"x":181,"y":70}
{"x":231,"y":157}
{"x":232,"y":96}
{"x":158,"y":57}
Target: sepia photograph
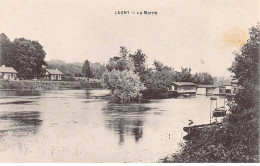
{"x":129,"y":81}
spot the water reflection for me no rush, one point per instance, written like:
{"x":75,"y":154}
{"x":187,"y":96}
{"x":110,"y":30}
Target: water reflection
{"x":11,"y":93}
{"x":125,"y":119}
{"x":20,"y":123}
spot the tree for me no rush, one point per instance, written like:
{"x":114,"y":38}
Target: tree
{"x":139,"y":59}
{"x":158,"y":65}
{"x":185,"y":75}
{"x":7,"y":51}
{"x":125,"y":85}
{"x":203,"y":79}
{"x":158,"y":81}
{"x":29,"y":58}
{"x":246,"y":71}
{"x":86,"y":71}
{"x":123,"y":62}
{"x":123,"y":52}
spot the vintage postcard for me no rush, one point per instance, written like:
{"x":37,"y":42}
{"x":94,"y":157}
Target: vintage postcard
{"x":120,"y":81}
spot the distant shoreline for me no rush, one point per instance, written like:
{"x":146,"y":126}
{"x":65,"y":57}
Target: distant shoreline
{"x":48,"y":85}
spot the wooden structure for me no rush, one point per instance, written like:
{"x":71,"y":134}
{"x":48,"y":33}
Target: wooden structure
{"x":183,"y":87}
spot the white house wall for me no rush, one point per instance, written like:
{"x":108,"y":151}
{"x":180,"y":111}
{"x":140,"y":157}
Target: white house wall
{"x":201,"y":91}
{"x":9,"y":76}
{"x":185,"y":89}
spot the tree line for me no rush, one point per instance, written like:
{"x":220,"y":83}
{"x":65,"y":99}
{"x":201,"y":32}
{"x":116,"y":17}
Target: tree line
{"x":27,"y":57}
{"x":129,"y":78}
{"x":77,"y":69}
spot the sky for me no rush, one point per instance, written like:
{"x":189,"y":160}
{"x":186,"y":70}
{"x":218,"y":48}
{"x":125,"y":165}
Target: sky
{"x":199,"y":34}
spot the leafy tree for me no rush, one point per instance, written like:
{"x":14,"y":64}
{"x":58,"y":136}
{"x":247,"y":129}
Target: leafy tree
{"x":125,"y":85}
{"x":139,"y":59}
{"x":86,"y":70}
{"x":185,"y":75}
{"x":246,"y":71}
{"x":123,"y":52}
{"x":29,"y":58}
{"x":121,"y":63}
{"x":157,"y":81}
{"x":7,"y":51}
{"x":158,"y":65}
{"x":203,"y":79}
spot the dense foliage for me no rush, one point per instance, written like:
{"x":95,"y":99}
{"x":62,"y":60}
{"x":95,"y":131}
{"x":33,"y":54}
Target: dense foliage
{"x":156,"y":79}
{"x":86,"y":71}
{"x":25,"y":56}
{"x":125,"y":85}
{"x":237,"y":139}
{"x":120,"y":77}
{"x":246,"y":70}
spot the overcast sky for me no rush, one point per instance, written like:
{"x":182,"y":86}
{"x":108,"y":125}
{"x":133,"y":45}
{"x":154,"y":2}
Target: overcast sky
{"x":184,"y":32}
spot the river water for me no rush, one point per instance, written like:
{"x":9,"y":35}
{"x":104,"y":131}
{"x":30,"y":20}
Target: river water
{"x":81,"y":126}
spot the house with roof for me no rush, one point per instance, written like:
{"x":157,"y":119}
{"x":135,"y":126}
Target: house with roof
{"x":207,"y":90}
{"x":53,"y":74}
{"x":8,"y":73}
{"x":183,"y":87}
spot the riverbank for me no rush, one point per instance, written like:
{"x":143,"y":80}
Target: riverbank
{"x":236,"y":140}
{"x":49,"y":85}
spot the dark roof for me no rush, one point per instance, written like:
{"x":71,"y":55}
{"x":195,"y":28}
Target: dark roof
{"x":54,"y":71}
{"x":184,"y":83}
{"x":207,"y":86}
{"x":7,"y":70}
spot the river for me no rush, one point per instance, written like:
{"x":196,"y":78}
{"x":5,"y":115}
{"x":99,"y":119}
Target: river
{"x":80,"y":126}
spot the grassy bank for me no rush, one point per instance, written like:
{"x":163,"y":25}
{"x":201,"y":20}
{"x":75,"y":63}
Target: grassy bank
{"x":48,"y":85}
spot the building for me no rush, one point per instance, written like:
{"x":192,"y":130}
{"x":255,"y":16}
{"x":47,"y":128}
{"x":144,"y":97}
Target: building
{"x":183,"y":87}
{"x":227,"y":89}
{"x":53,"y":74}
{"x":8,"y":73}
{"x":207,"y":90}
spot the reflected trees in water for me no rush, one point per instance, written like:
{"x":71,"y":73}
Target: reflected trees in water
{"x":125,"y":119}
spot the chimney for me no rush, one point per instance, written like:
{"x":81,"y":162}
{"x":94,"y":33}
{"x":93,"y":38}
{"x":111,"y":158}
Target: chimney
{"x":3,"y":65}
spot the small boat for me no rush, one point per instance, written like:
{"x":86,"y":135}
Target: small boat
{"x":220,"y":112}
{"x":213,"y":98}
{"x":186,"y":95}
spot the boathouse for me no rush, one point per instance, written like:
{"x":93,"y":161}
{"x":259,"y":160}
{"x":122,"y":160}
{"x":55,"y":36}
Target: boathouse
{"x":8,"y":73}
{"x":207,"y":90}
{"x":183,"y":87}
{"x":53,"y":74}
{"x":227,"y":89}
